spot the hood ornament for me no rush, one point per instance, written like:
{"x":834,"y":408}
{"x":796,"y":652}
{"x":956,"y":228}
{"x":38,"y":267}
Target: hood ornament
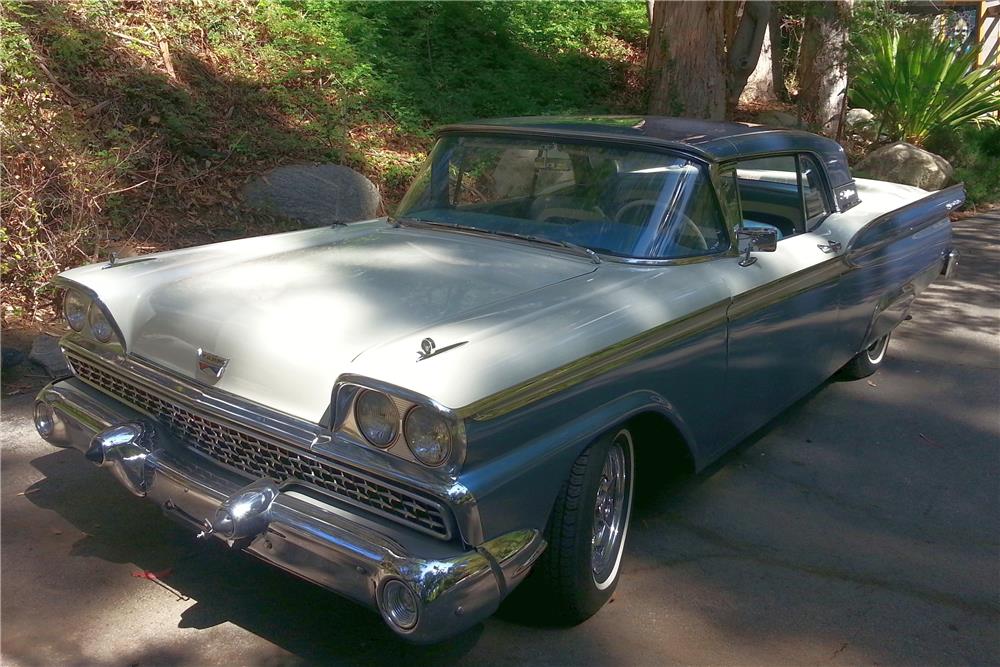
{"x":428,"y":348}
{"x":211,"y":366}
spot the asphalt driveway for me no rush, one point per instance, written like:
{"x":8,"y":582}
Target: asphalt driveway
{"x":861,"y":527}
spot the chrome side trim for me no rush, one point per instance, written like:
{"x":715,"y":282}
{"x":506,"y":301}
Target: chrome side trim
{"x":787,"y":287}
{"x":595,"y":364}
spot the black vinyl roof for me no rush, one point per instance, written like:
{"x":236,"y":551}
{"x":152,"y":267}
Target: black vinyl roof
{"x":715,"y":141}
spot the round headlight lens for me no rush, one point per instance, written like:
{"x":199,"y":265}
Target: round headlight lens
{"x":75,"y":307}
{"x":427,"y":435}
{"x":99,"y":325}
{"x":377,"y":417}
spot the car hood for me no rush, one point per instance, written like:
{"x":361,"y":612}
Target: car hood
{"x":294,"y":311}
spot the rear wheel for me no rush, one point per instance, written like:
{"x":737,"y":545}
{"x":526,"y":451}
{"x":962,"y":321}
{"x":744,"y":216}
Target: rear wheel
{"x":579,"y":571}
{"x":867,"y":361}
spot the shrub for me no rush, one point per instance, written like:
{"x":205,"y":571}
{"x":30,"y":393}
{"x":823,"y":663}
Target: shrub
{"x":916,"y":83}
{"x":975,"y":155}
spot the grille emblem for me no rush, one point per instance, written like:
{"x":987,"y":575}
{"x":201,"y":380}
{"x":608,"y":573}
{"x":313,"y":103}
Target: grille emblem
{"x":211,"y":366}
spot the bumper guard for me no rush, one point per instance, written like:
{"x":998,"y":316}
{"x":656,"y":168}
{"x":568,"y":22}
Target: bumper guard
{"x":450,"y":587}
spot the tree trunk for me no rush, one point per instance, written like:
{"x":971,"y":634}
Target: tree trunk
{"x":760,"y":86}
{"x":822,"y":69}
{"x":745,"y":49}
{"x":685,"y":62}
{"x":777,"y":55}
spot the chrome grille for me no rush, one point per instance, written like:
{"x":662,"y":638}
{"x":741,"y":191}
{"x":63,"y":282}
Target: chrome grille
{"x":261,"y":458}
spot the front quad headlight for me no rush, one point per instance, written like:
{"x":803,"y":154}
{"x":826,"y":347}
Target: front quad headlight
{"x":428,"y":435}
{"x":86,"y":316}
{"x":100,"y":328}
{"x":400,"y":422}
{"x":75,"y":306}
{"x":377,"y":418}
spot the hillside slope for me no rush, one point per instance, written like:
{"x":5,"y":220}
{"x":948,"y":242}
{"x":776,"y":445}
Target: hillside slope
{"x":132,"y":125}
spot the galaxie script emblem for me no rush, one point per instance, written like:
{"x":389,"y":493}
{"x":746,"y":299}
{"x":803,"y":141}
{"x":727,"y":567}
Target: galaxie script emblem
{"x":211,"y":366}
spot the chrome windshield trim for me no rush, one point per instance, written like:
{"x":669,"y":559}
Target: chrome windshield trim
{"x":291,"y":430}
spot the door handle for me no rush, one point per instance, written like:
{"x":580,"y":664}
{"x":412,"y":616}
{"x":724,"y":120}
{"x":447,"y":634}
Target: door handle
{"x":832,"y":246}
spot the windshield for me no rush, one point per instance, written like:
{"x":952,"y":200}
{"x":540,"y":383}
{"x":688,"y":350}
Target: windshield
{"x":613,"y":200}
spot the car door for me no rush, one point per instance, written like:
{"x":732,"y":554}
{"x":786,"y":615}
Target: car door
{"x":782,"y":320}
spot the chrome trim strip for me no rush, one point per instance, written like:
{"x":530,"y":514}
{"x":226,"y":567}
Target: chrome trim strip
{"x":787,"y":287}
{"x":607,"y":359}
{"x":595,"y":364}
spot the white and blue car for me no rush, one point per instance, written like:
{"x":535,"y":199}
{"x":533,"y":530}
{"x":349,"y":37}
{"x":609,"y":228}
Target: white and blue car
{"x":424,"y":412}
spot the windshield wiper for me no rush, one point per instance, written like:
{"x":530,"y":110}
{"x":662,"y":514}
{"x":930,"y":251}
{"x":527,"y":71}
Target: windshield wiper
{"x":579,"y":249}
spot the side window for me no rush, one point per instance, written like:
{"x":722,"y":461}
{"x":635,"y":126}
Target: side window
{"x":769,"y":194}
{"x":785,"y":192}
{"x":812,"y":191}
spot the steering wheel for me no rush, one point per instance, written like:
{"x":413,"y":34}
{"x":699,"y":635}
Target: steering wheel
{"x":633,"y":205}
{"x":690,"y":233}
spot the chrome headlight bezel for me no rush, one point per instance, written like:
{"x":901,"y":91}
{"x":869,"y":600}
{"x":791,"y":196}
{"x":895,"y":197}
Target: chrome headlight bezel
{"x":93,"y":312}
{"x":350,"y":388}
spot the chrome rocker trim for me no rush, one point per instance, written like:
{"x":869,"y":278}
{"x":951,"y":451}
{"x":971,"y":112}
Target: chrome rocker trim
{"x":454,"y":587}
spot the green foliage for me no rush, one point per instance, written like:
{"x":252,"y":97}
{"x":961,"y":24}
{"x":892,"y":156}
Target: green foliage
{"x":916,"y":83}
{"x":975,"y":154}
{"x":104,"y":148}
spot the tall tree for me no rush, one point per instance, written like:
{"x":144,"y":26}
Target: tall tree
{"x":822,"y":71}
{"x":767,"y":81}
{"x":744,"y":47}
{"x":685,"y":62}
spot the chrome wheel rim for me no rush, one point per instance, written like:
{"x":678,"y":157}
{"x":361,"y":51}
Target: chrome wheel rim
{"x":876,"y":350}
{"x":611,"y":510}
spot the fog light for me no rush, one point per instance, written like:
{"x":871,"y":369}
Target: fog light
{"x":399,"y":604}
{"x":45,"y":422}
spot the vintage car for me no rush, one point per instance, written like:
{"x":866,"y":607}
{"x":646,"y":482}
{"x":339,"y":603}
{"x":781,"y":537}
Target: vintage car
{"x":419,"y":411}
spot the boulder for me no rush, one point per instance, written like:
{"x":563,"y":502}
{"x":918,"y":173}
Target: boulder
{"x":45,"y":352}
{"x":861,"y":123}
{"x":777,"y":119}
{"x":908,"y":164}
{"x":857,"y":118}
{"x":316,"y":195}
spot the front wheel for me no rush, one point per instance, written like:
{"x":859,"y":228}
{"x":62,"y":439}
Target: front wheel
{"x":867,"y":361}
{"x":579,"y":571}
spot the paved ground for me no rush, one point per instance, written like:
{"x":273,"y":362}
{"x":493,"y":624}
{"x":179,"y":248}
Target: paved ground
{"x":861,"y":527}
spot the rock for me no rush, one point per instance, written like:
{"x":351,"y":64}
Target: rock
{"x":908,"y":164}
{"x":316,"y":195}
{"x":46,"y":353}
{"x":11,"y":357}
{"x":777,"y":119}
{"x":858,"y":118}
{"x":861,"y":122}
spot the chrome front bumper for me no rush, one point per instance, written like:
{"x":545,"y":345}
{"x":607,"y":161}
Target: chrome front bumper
{"x":454,"y":586}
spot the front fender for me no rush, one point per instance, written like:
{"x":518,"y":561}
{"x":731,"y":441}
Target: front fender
{"x":517,"y":489}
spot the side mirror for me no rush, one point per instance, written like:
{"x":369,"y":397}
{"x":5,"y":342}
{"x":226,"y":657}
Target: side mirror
{"x":758,"y":239}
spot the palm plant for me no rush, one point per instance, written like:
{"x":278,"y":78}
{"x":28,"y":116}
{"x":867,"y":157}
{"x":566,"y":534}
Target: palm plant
{"x":915,"y":82}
